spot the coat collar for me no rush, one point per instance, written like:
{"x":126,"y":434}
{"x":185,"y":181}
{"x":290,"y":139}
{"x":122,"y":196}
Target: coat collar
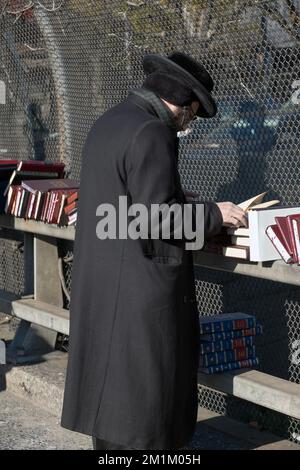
{"x":151,"y":103}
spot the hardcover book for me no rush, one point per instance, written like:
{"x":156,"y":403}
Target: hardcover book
{"x":217,"y":368}
{"x":226,"y":322}
{"x":226,"y":344}
{"x":228,"y":335}
{"x":223,"y":357}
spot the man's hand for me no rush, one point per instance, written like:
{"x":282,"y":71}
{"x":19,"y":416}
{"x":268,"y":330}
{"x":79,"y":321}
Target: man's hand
{"x":233,"y":216}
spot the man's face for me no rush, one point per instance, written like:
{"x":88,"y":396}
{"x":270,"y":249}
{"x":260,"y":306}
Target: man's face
{"x":186,"y":114}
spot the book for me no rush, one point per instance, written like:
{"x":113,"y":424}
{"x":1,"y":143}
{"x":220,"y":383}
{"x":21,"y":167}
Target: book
{"x":33,"y":169}
{"x":8,"y":162}
{"x":289,"y":219}
{"x":231,"y":251}
{"x":72,"y":219}
{"x":256,"y":202}
{"x":284,"y":228}
{"x":69,"y":208}
{"x":228,"y":335}
{"x":226,"y":322}
{"x":223,"y":357}
{"x":236,"y":251}
{"x":49,"y":184}
{"x":217,"y":368}
{"x":73,"y":197}
{"x":296,"y":230}
{"x":261,"y":248}
{"x":242,"y":241}
{"x":240,"y":231}
{"x":226,"y":344}
{"x":274,"y":234}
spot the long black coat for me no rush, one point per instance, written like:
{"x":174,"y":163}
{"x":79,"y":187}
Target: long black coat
{"x":134,"y":332}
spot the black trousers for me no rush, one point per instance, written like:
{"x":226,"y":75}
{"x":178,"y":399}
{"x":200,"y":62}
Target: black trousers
{"x":100,"y":444}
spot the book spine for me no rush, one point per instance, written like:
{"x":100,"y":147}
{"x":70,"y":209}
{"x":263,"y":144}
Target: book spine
{"x":214,"y":346}
{"x":21,"y":202}
{"x":252,"y":362}
{"x":223,"y":357}
{"x":278,"y":245}
{"x":297,"y":239}
{"x":293,"y":241}
{"x":227,"y":325}
{"x":227,"y":335}
{"x":8,"y":201}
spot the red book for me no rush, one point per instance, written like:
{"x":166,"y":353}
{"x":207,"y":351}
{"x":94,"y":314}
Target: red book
{"x":73,"y":197}
{"x":241,"y":354}
{"x":70,"y":207}
{"x":296,"y":230}
{"x":290,"y":219}
{"x":56,"y":198}
{"x":32,"y":169}
{"x":35,"y":165}
{"x":63,"y":197}
{"x":274,"y":234}
{"x":28,"y":205}
{"x":49,"y":184}
{"x":284,"y":228}
{"x":9,"y":162}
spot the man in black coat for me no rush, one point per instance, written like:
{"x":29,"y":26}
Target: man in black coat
{"x":134,"y":329}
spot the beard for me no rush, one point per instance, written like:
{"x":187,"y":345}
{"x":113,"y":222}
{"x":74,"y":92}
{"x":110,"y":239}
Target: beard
{"x":183,"y":120}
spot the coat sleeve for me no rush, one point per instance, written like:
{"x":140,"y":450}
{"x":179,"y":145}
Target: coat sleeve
{"x":152,"y":173}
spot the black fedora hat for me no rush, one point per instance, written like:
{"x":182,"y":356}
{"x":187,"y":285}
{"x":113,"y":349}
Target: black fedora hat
{"x":180,"y":76}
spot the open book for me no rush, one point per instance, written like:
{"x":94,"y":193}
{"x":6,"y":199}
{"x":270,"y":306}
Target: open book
{"x":256,"y":203}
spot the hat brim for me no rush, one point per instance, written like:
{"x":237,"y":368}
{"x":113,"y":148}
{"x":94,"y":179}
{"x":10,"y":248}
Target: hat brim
{"x":158,"y":63}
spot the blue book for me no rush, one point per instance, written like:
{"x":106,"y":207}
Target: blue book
{"x":225,"y":335}
{"x":223,"y":345}
{"x":226,"y":322}
{"x":224,"y":357}
{"x":230,"y":366}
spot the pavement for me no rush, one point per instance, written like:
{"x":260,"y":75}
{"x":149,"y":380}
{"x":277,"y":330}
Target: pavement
{"x":31,"y":401}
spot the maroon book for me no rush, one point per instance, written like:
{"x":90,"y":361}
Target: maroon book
{"x":290,"y":219}
{"x":284,"y":228}
{"x":296,"y":230}
{"x":49,"y":184}
{"x":275,"y":236}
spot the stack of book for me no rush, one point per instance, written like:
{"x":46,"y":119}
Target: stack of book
{"x":235,"y":242}
{"x":69,"y":215}
{"x":42,"y":200}
{"x":285,"y":237}
{"x":12,"y":172}
{"x":227,"y":342}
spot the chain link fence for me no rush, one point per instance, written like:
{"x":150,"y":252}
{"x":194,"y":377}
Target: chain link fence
{"x":64,"y":62}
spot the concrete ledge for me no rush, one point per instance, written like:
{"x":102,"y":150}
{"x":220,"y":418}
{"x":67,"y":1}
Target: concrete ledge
{"x":37,"y":227}
{"x":254,"y":386}
{"x":255,"y":439}
{"x":42,"y":314}
{"x":277,"y":271}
